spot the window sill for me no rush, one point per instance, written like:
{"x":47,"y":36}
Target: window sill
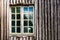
{"x":22,"y":34}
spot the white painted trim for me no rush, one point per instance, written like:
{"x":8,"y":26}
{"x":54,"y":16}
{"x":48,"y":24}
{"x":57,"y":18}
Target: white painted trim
{"x":7,"y":5}
{"x":36,"y":18}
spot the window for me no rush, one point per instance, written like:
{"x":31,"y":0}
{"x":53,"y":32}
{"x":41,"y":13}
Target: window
{"x":22,"y":19}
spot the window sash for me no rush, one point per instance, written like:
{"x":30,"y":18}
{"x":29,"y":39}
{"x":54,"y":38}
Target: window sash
{"x":22,"y":19}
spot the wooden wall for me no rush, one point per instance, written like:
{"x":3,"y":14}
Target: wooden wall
{"x":48,"y":27}
{"x":49,"y":20}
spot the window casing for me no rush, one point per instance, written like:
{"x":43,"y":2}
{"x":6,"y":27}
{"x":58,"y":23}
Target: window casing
{"x":22,"y":19}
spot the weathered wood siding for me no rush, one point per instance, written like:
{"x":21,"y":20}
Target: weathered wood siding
{"x":49,"y":20}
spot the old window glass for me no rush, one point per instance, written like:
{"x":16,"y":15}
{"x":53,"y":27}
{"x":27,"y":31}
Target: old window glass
{"x":25,"y":23}
{"x":18,"y":30}
{"x":31,"y":9}
{"x":25,"y":9}
{"x":30,"y":23}
{"x":13,"y":9}
{"x":18,"y":9}
{"x":13,"y":23}
{"x":30,"y":16}
{"x":13,"y":29}
{"x":30,"y":30}
{"x":26,"y":16}
{"x":18,"y":23}
{"x":13,"y":16}
{"x":25,"y":30}
{"x":18,"y":16}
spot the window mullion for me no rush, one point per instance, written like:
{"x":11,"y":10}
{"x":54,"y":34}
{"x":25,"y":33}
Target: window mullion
{"x":33,"y":20}
{"x":10,"y":21}
{"x":28,"y":20}
{"x":21,"y":19}
{"x":15,"y":22}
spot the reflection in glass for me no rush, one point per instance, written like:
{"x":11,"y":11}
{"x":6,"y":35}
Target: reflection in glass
{"x":13,"y":29}
{"x":30,"y":23}
{"x":25,"y":9}
{"x":30,"y":16}
{"x":18,"y":29}
{"x":25,"y":23}
{"x":18,"y":23}
{"x":13,"y":16}
{"x":18,"y":9}
{"x":18,"y":16}
{"x":13,"y":23}
{"x":26,"y":16}
{"x":13,"y":10}
{"x":30,"y":30}
{"x":31,"y":9}
{"x":25,"y":29}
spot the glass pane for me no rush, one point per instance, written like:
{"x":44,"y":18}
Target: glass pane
{"x":13,"y":29}
{"x":18,"y":23}
{"x":18,"y":9}
{"x":30,"y":16}
{"x":18,"y":29}
{"x":25,"y":23}
{"x":30,"y":30}
{"x":26,"y":16}
{"x":13,"y":10}
{"x":25,"y":9}
{"x":18,"y":16}
{"x":25,"y":29}
{"x":30,"y":23}
{"x":13,"y":16}
{"x":13,"y":23}
{"x":31,"y":9}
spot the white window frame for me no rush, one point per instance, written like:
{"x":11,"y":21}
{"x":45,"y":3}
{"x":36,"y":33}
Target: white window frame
{"x":21,"y":22}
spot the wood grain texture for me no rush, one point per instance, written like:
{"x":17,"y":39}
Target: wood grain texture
{"x":47,"y":20}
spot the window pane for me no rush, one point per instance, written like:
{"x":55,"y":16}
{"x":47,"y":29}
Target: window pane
{"x":30,"y":30}
{"x":13,"y":10}
{"x":18,"y":9}
{"x":26,"y":16}
{"x":13,"y":29}
{"x":25,"y":9}
{"x":25,"y":23}
{"x":30,"y":16}
{"x":25,"y":29}
{"x":30,"y":23}
{"x":18,"y":23}
{"x":18,"y":29}
{"x":13,"y":23}
{"x":18,"y":16}
{"x":31,"y":9}
{"x":13,"y":16}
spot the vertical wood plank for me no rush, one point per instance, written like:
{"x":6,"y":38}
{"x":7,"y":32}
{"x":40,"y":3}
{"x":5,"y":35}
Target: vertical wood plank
{"x":40,"y":28}
{"x":46,"y":1}
{"x":49,"y":20}
{"x":58,"y":1}
{"x":52,"y":18}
